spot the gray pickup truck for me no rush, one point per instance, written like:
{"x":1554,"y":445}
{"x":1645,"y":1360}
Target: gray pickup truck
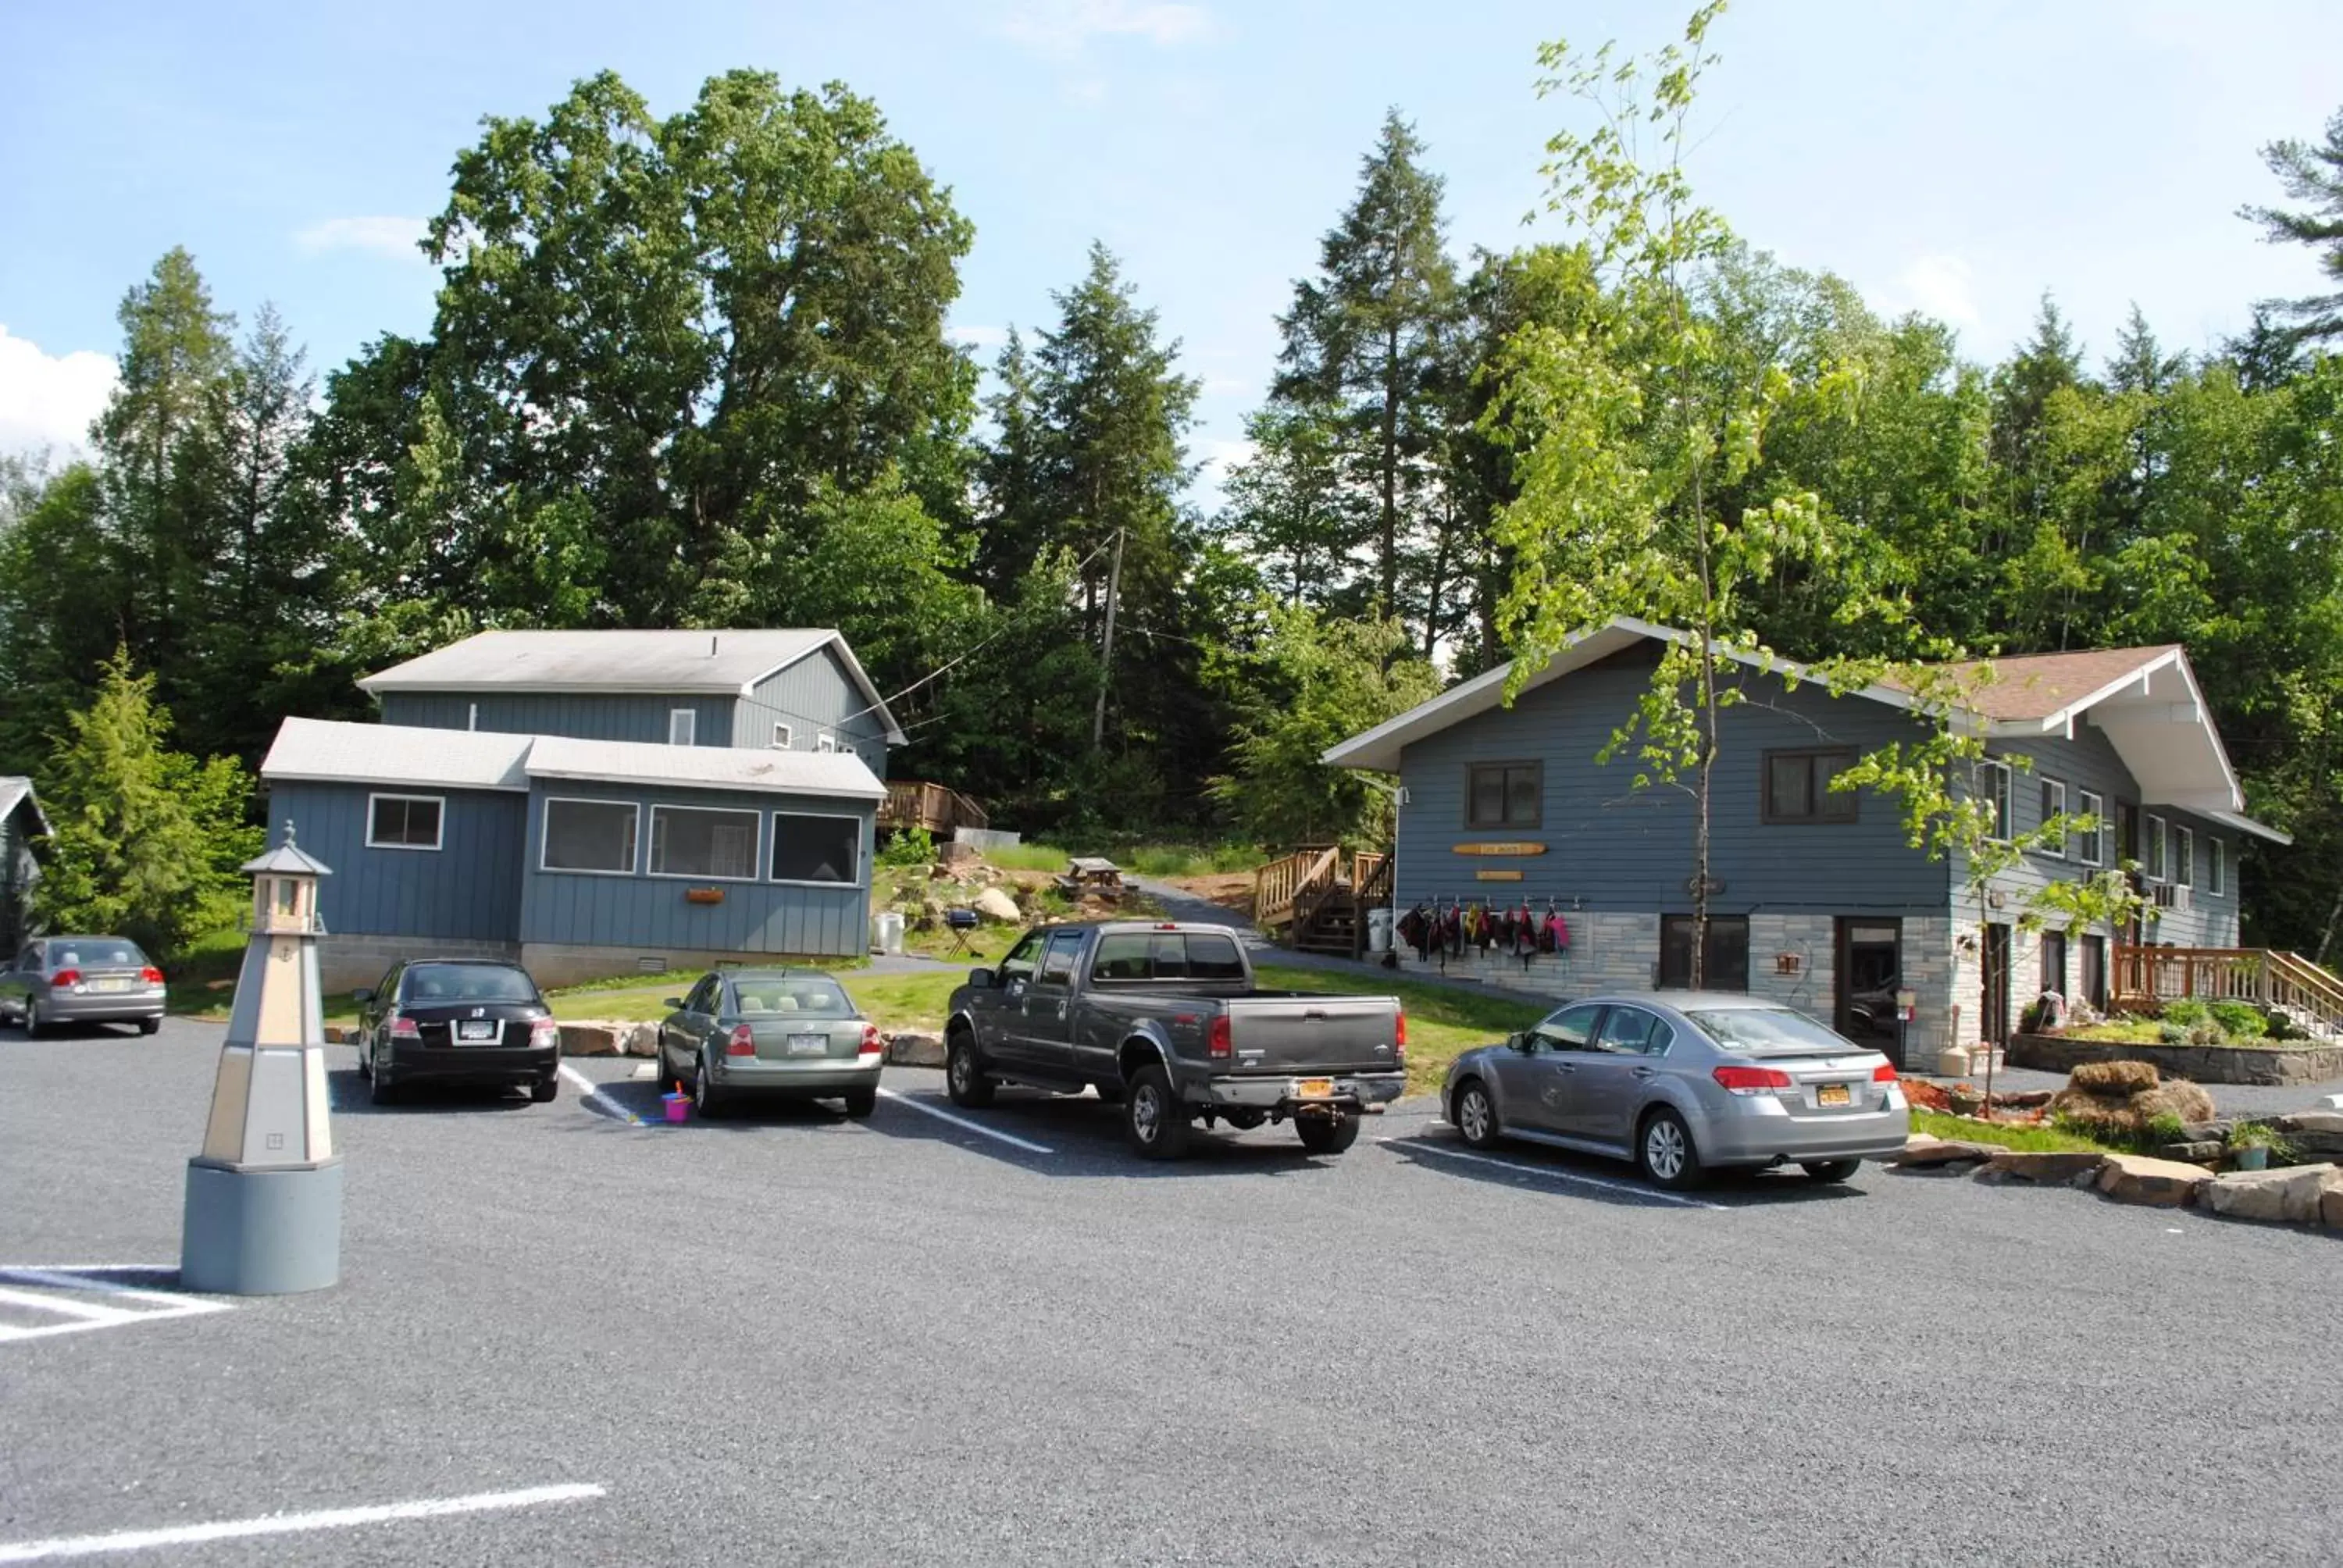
{"x":1165,"y":1019}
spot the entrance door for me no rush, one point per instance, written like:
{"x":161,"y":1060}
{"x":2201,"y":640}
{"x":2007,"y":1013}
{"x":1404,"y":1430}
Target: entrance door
{"x":2094,"y":988}
{"x":1994,"y":1026}
{"x":1870,"y":968}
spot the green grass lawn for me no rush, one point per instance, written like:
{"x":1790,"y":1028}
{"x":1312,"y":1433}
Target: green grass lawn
{"x":1147,"y":859}
{"x":2038,"y":1140}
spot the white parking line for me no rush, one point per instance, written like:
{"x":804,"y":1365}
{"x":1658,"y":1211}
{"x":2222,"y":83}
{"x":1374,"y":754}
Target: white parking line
{"x":116,"y":1310}
{"x":1653,"y":1193}
{"x":589,"y":1090}
{"x":288,"y":1524}
{"x":979,"y":1127}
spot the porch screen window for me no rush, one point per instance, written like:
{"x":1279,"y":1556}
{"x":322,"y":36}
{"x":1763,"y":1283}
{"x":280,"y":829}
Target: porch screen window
{"x":2217,"y":867}
{"x":817,"y":848}
{"x":2183,"y":857}
{"x":1798,"y":787}
{"x":1725,"y":962}
{"x":2054,"y":805}
{"x":2090,"y":844}
{"x":1993,"y":785}
{"x":1505,"y":795}
{"x":589,"y":835}
{"x":690,"y":841}
{"x":403,"y":821}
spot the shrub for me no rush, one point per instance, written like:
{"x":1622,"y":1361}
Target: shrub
{"x":910,"y":846}
{"x":2117,"y":1077}
{"x":2164,"y":1127}
{"x":2260,"y":1135}
{"x":2239,"y":1020}
{"x":2188,"y":1014}
{"x":2171,"y":1034}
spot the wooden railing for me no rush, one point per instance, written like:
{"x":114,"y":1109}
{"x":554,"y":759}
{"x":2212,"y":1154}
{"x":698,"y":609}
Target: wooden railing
{"x":1276,"y":886}
{"x":938,"y":807}
{"x":1370,"y":879}
{"x":2144,"y":976}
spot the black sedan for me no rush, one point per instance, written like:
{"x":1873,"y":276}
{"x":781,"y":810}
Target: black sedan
{"x":457,"y":1021}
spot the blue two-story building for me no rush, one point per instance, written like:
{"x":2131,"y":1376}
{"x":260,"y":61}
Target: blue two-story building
{"x":595,"y":802}
{"x":1816,"y":897}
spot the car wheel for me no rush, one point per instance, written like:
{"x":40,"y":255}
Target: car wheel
{"x":1474,"y":1114}
{"x":34,"y":1024}
{"x":543,"y":1092}
{"x":862,"y":1103}
{"x":1328,"y":1134}
{"x":380,"y":1090}
{"x":706,"y":1098}
{"x":1830,"y":1169}
{"x":1664,"y":1152}
{"x":150,"y":1026}
{"x":1153,"y":1116}
{"x":963,"y":1081}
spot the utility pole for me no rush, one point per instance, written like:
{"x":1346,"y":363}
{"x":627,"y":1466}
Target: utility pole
{"x":1106,"y":654}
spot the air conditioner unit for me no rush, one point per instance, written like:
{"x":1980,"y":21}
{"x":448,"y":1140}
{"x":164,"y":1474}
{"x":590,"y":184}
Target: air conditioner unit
{"x":2171,"y":896}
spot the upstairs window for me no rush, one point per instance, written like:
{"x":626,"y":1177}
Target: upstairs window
{"x":1505,"y":795}
{"x":682,"y":726}
{"x":2054,"y":805}
{"x":2091,"y":842}
{"x":2152,"y":849}
{"x":1992,"y":786}
{"x":780,"y":738}
{"x":1798,"y":787}
{"x":2183,"y":856}
{"x":2217,"y":867}
{"x":825,"y":743}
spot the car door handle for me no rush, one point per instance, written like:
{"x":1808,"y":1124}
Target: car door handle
{"x":1565,"y":1066}
{"x":1643,"y":1072}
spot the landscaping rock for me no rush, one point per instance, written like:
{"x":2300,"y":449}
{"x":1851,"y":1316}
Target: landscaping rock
{"x":642,"y":1041}
{"x":591,"y":1039}
{"x":2161,"y":1184}
{"x":2214,"y":1131}
{"x":2029,"y":1165}
{"x":2291,"y":1195}
{"x":998,"y":907}
{"x":1924,"y":1152}
{"x":911,"y":1050}
{"x":2206,"y":1152}
{"x":2313,"y":1134}
{"x":2330,"y":1208}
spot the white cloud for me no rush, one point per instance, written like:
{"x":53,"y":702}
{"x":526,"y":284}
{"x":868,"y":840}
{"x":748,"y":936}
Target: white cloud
{"x":1938,"y":286}
{"x":48,"y":401}
{"x":1221,"y":454}
{"x":394,"y":237}
{"x":1061,"y":28}
{"x":1229,"y":385}
{"x":979,"y":338}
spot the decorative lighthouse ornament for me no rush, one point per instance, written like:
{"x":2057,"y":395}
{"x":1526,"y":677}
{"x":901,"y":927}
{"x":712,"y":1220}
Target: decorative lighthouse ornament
{"x":264,"y":1214}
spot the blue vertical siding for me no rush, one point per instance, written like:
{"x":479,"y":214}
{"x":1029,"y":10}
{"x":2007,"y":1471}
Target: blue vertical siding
{"x":639,"y":910}
{"x":814,"y":695}
{"x":470,"y":888}
{"x":586,"y":716}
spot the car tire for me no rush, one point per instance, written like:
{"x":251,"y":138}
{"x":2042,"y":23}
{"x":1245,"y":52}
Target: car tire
{"x":964,"y":1080}
{"x":34,"y":1024}
{"x":543,"y":1094}
{"x":380,"y":1090}
{"x":1328,"y":1134}
{"x":1664,"y":1152}
{"x":150,"y":1026}
{"x":707,"y":1100}
{"x":1830,"y":1170}
{"x":1474,"y":1114}
{"x":862,"y":1103}
{"x":1153,"y":1118}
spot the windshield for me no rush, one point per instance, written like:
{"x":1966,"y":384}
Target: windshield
{"x":95,"y":954}
{"x":433,"y":983}
{"x":1767,"y":1031}
{"x":807,"y":996}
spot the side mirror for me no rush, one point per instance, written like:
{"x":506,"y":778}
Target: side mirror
{"x":673,"y":1004}
{"x":363,"y":995}
{"x":979,"y":979}
{"x":1520,"y":1042}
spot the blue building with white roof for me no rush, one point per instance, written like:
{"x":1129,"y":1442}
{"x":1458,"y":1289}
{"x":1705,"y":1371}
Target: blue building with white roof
{"x":594,"y":803}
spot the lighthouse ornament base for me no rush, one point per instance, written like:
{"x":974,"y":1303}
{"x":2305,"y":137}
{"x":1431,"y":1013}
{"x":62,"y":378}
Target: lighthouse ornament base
{"x":264,"y":1206}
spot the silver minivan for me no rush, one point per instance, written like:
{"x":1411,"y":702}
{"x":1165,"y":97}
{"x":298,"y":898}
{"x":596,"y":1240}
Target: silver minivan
{"x":82,"y":979}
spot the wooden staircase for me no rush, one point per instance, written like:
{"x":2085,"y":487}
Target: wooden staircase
{"x":2284,"y":982}
{"x":1316,"y":900}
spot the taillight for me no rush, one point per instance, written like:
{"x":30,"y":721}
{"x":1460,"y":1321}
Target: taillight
{"x":544,"y":1034}
{"x":741,"y":1042}
{"x":1399,"y":1037}
{"x":151,"y":975}
{"x":871,"y":1044}
{"x":1883,"y":1073}
{"x":1752,"y":1080}
{"x":1216,"y":1037}
{"x":65,"y":977}
{"x":404,"y":1028}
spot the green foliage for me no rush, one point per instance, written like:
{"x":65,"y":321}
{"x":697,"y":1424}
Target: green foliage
{"x":908,"y":847}
{"x":145,"y":841}
{"x":2187,"y":1012}
{"x":2164,"y":1127}
{"x":2239,"y":1020}
{"x":2312,"y":173}
{"x":2261,"y":1135}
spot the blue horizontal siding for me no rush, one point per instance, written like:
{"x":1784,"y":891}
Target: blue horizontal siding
{"x":470,"y":888}
{"x":595,"y":716}
{"x":641,"y":910}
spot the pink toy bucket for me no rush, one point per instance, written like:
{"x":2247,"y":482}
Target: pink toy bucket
{"x":679,"y":1106}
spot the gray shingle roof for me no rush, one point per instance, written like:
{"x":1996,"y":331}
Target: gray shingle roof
{"x":327,"y":751}
{"x":700,"y":662}
{"x":840,"y":774}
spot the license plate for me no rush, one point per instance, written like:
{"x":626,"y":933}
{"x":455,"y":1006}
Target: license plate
{"x":1833,"y":1094}
{"x":1313,"y":1088}
{"x":476,"y":1028}
{"x":109,"y":985}
{"x":809,"y":1045}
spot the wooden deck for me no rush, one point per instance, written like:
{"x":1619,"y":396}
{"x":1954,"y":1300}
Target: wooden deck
{"x":1317,"y":897}
{"x":2148,"y":977}
{"x":937,"y":808}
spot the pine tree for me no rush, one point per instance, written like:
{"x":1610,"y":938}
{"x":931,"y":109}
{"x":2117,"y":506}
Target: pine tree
{"x":2312,"y":173}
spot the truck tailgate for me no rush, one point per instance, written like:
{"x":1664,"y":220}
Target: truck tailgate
{"x":1314,"y":1033}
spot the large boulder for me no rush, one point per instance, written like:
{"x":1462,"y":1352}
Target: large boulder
{"x":914,"y":1050}
{"x":1925,"y":1153}
{"x":642,"y":1040}
{"x":996,"y":906}
{"x":2050,"y":1168}
{"x":2312,"y":1134}
{"x":591,"y":1039}
{"x":2160,"y":1183}
{"x":2330,"y":1208}
{"x":2291,"y":1195}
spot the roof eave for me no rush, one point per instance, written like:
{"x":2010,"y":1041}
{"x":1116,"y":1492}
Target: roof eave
{"x":737,"y":786}
{"x":302,"y":776}
{"x":375,"y":686}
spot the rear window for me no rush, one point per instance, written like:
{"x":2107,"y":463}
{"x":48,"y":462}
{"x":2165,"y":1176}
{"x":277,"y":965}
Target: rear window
{"x":1214,"y":958}
{"x":1766,"y":1031}
{"x":428,"y":983}
{"x":1143,"y":956}
{"x":103,"y":953}
{"x":793,"y":996}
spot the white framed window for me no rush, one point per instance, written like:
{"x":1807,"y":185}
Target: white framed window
{"x":2217,"y":867}
{"x":404,"y":821}
{"x":703,"y":843}
{"x":591,"y":837}
{"x":821,"y":852}
{"x":2151,"y":848}
{"x":1993,"y":781}
{"x":780,"y":738}
{"x":472,"y":717}
{"x":2091,"y":842}
{"x":2054,"y":805}
{"x":825,"y":742}
{"x":2183,"y":856}
{"x":682,"y":726}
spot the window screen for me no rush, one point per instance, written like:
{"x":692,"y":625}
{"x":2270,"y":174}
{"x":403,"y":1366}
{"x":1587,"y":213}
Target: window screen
{"x":1505,"y":795}
{"x":817,"y":848}
{"x":404,"y":822}
{"x":589,"y":835}
{"x":1798,"y":787}
{"x":689,"y":841}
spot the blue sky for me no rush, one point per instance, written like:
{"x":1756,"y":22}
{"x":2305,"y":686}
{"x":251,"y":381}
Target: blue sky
{"x":1960,"y":158}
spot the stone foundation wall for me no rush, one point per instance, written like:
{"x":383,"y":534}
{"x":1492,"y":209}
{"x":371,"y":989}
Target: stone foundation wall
{"x":2273,"y":1065}
{"x":1793,"y":960}
{"x":347,"y":962}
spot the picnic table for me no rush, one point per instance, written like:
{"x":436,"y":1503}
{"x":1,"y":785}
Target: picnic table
{"x":1088,"y":876}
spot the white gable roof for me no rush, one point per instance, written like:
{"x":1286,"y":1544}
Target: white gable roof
{"x":701,"y":663}
{"x":325,"y":751}
{"x":17,"y":791}
{"x":840,"y":774}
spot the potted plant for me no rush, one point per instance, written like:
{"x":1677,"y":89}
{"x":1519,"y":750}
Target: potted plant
{"x":1967,"y":1099}
{"x":2252,"y":1144}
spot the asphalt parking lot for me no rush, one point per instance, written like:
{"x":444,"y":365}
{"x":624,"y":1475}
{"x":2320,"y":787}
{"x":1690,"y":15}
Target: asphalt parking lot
{"x":793,"y":1338}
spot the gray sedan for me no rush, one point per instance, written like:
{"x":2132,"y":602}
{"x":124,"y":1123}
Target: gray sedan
{"x":1684,"y":1083}
{"x":82,"y":979}
{"x":770,"y":1031}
